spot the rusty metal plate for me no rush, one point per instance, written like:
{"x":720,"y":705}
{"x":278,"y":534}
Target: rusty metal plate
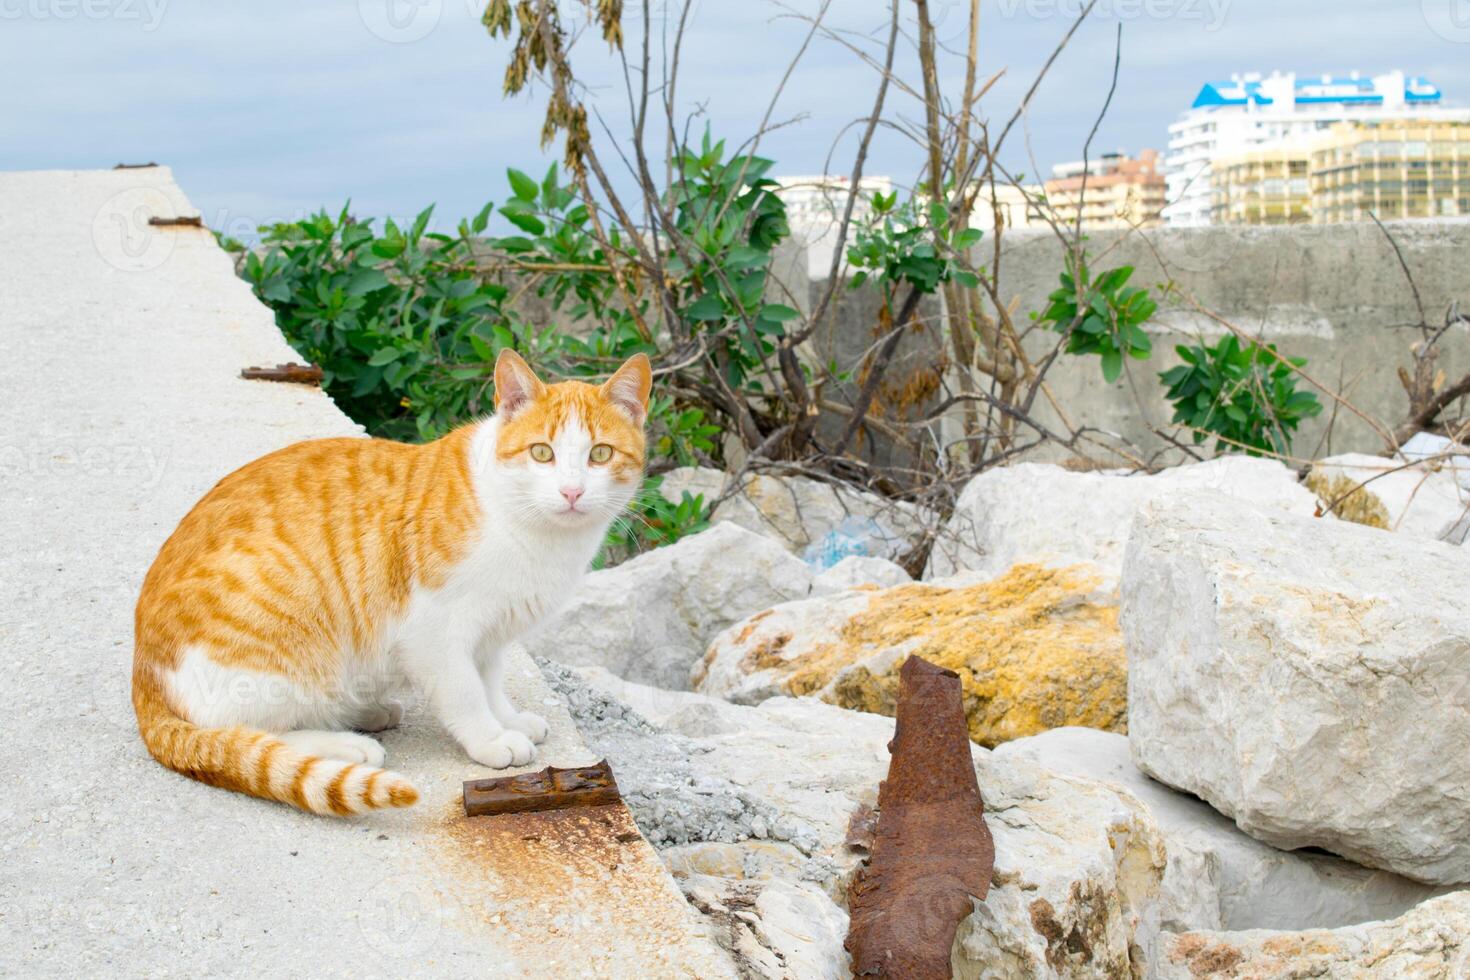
{"x":549,"y":789}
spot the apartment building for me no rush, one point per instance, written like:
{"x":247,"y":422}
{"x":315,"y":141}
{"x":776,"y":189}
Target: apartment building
{"x":1394,"y":169}
{"x":1238,"y":115}
{"x":1268,"y":186}
{"x":1119,"y":191}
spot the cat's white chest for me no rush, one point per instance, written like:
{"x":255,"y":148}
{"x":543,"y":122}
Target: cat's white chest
{"x":503,"y":589}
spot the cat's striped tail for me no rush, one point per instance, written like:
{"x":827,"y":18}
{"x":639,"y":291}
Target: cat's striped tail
{"x":258,"y":763}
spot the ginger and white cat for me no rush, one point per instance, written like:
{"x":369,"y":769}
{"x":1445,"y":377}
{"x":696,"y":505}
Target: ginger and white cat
{"x":283,"y":610}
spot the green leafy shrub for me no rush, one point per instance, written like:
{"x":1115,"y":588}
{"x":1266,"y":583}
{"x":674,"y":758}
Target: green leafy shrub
{"x":1103,"y":316}
{"x":1247,"y":396}
{"x":652,"y":521}
{"x":893,"y":246}
{"x":404,"y":330}
{"x":730,"y":214}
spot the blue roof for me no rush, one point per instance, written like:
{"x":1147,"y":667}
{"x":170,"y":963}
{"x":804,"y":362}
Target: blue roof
{"x":1230,"y":93}
{"x":1311,"y":89}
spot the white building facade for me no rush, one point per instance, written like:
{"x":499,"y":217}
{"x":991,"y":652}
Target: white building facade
{"x":1251,"y":110}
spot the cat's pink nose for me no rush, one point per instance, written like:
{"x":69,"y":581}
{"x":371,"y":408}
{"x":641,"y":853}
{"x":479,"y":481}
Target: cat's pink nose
{"x":572,"y":495}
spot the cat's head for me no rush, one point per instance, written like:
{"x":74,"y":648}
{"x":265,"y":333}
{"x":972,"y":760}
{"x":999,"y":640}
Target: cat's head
{"x":569,"y":454}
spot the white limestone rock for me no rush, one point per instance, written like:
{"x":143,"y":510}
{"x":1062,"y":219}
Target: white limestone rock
{"x":1430,"y":942}
{"x":1222,"y":877}
{"x":650,"y":618}
{"x":697,"y":481}
{"x":1036,"y":648}
{"x":856,"y":571}
{"x":773,"y":927}
{"x":1308,"y":678}
{"x":1079,"y":864}
{"x":1046,"y":514}
{"x":801,"y":513}
{"x":1439,"y":452}
{"x":747,"y":663}
{"x":1422,"y":501}
{"x":1077,"y":891}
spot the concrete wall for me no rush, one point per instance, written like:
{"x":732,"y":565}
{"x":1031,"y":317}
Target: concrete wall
{"x":1334,"y":294}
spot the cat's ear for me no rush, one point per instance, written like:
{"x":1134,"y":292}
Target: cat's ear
{"x":628,"y":387}
{"x":516,"y":385}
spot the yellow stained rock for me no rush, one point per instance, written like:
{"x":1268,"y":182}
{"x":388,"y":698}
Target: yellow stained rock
{"x":1033,"y":648}
{"x":1353,"y":501}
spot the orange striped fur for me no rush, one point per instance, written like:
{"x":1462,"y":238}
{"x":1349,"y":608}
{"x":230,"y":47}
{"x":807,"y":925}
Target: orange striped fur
{"x":299,"y":591}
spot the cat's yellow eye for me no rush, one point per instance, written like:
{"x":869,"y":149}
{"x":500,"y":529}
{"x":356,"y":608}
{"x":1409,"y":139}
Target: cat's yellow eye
{"x":541,"y":452}
{"x":601,"y":453}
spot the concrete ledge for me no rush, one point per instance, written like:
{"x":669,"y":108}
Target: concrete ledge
{"x":122,"y":405}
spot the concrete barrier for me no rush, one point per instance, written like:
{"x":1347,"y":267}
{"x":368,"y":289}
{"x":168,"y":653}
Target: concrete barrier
{"x":1334,"y":294}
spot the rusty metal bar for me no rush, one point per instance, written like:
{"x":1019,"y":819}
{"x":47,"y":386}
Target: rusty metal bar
{"x":549,"y":789}
{"x":303,"y":374}
{"x":183,"y":221}
{"x":932,"y":851}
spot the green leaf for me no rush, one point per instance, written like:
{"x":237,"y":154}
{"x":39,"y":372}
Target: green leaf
{"x":365,"y":281}
{"x":938,"y":215}
{"x":522,"y":186}
{"x":482,"y":220}
{"x":420,"y":223}
{"x":515,"y":244}
{"x":778,"y":312}
{"x":1112,"y":365}
{"x":386,"y":355}
{"x":707,"y":307}
{"x":967,"y":238}
{"x":743,"y":257}
{"x":482,"y":349}
{"x":525,"y":222}
{"x":389,"y":248}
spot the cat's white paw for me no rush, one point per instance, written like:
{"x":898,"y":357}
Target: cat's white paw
{"x":378,"y":717}
{"x":509,"y":748}
{"x":347,"y":746}
{"x":533,"y":726}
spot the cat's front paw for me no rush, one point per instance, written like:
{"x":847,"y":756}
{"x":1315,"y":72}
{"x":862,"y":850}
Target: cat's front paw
{"x":509,"y":748}
{"x":533,"y":726}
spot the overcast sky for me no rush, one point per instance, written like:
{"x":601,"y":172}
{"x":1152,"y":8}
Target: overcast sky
{"x":272,"y":108}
